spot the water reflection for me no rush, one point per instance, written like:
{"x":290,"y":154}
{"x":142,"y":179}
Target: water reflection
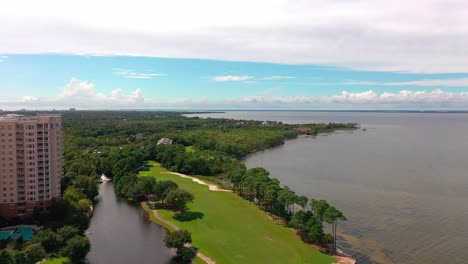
{"x":120,"y":233}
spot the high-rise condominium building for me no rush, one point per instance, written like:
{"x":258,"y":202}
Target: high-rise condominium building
{"x":31,"y":150}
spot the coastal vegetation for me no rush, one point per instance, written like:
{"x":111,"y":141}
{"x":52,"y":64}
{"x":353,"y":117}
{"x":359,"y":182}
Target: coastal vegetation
{"x":118,"y":144}
{"x":256,"y":186}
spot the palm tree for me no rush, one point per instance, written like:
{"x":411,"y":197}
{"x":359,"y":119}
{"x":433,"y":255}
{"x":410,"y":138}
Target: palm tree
{"x":332,"y":216}
{"x":302,"y":201}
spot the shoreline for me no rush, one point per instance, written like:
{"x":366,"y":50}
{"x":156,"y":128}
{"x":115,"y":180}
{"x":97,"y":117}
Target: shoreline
{"x":342,"y":256}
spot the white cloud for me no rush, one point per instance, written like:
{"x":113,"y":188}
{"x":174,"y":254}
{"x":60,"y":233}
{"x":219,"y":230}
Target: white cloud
{"x":364,"y":97}
{"x":249,"y":79}
{"x":277,"y":78}
{"x":3,"y":58}
{"x":29,"y":99}
{"x":117,"y":94}
{"x":346,"y":100}
{"x":231,"y":78}
{"x":461,"y":82}
{"x":83,"y":93}
{"x":137,"y":97}
{"x":136,"y":75}
{"x":77,"y":88}
{"x":397,"y":35}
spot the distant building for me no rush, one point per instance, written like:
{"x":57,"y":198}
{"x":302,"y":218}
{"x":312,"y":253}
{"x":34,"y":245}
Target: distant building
{"x":72,"y":109}
{"x":31,"y":165}
{"x":165,"y":141}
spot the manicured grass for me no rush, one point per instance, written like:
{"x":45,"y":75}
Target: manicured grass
{"x":151,"y":216}
{"x":56,"y":260}
{"x":228,"y":229}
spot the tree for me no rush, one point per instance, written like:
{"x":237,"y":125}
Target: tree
{"x":299,"y":221}
{"x":315,"y":230}
{"x":178,"y":199}
{"x":302,"y":201}
{"x":76,"y":248}
{"x":84,"y":205}
{"x":48,"y":239}
{"x":199,"y":166}
{"x":186,"y":254}
{"x":67,"y":232}
{"x":146,"y":184}
{"x":125,"y":185}
{"x":162,"y":188}
{"x":332,"y":216}
{"x":35,"y":253}
{"x":236,"y":176}
{"x":73,"y":195}
{"x":87,"y":185}
{"x":22,"y":257}
{"x":319,"y":207}
{"x":178,"y":240}
{"x":6,"y":258}
{"x":18,"y":243}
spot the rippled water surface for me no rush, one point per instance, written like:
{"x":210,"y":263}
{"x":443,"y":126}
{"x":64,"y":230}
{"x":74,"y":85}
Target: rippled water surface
{"x":402,"y":183}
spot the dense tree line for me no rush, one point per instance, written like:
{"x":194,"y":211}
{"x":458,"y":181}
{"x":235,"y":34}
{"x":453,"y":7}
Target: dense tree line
{"x":165,"y":192}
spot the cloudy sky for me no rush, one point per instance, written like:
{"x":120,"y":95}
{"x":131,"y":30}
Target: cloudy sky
{"x":208,"y":54}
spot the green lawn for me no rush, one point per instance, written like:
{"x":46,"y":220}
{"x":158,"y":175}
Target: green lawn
{"x":56,"y":260}
{"x":230,"y":230}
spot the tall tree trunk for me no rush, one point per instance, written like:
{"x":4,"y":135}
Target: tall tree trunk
{"x":334,"y":237}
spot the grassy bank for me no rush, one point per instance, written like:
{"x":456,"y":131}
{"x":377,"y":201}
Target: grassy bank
{"x":229,"y":229}
{"x":56,"y":260}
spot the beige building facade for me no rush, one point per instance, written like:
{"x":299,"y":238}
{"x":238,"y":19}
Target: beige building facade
{"x":31,"y":165}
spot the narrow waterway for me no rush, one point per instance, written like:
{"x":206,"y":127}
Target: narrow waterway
{"x":120,"y":233}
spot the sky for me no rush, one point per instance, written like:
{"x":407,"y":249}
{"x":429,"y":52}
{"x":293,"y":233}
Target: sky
{"x":206,"y":54}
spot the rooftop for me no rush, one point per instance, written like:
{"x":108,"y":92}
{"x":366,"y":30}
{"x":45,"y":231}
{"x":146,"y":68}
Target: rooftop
{"x":18,"y":117}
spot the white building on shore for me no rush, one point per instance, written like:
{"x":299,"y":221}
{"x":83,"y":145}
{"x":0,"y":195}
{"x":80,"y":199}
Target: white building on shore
{"x":165,"y":141}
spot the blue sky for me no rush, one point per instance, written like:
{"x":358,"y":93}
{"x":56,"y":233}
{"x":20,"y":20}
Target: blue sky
{"x":263,"y":54}
{"x":43,"y":80}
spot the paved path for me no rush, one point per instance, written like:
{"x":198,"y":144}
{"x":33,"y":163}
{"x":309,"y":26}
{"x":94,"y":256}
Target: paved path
{"x":169,"y":223}
{"x":160,"y":218}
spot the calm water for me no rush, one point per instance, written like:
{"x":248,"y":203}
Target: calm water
{"x":121,"y":234}
{"x":403,"y":183}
